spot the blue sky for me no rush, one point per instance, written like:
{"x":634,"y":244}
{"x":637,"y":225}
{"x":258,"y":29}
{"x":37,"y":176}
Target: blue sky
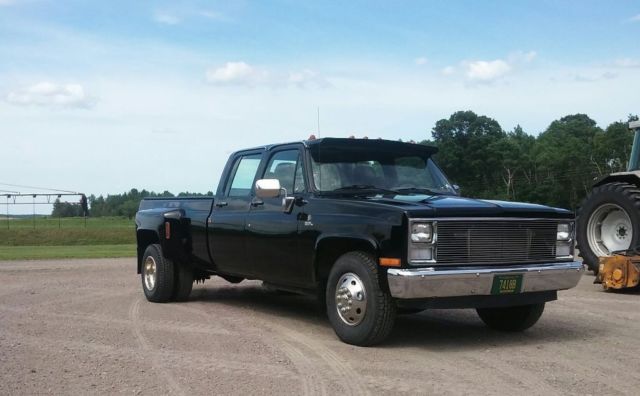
{"x":104,"y":96}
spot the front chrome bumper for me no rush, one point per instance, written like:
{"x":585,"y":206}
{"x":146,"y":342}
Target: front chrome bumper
{"x":470,"y":281}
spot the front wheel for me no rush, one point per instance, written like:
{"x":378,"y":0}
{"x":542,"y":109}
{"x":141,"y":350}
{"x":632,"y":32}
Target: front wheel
{"x":511,"y":318}
{"x":360,"y":312}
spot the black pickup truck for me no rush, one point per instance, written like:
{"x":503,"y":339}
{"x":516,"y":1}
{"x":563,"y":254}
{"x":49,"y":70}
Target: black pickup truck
{"x":372,"y":226}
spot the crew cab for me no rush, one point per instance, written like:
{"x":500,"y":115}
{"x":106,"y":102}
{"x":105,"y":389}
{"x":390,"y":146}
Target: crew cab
{"x":374,"y":227}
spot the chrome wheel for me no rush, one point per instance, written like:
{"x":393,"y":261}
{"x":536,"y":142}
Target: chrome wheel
{"x":150,"y":273}
{"x":609,"y":229}
{"x":351,"y":299}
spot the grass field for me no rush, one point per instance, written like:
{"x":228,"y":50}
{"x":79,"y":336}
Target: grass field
{"x":62,"y":252}
{"x":66,"y":238}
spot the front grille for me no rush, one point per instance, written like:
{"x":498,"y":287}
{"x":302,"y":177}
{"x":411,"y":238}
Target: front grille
{"x":496,"y":241}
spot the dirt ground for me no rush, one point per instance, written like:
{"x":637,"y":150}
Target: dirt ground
{"x":84,"y":327}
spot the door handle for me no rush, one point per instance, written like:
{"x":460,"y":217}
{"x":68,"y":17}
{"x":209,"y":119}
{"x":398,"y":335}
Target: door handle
{"x":221,"y":204}
{"x":257,"y":202}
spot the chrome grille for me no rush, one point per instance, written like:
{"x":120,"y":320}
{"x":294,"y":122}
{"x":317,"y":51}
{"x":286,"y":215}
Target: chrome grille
{"x":496,"y":241}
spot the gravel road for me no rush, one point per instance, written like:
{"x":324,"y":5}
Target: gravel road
{"x":84,"y":327}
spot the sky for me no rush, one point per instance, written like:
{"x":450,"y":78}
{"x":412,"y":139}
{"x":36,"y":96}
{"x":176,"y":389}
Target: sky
{"x":100,"y":97}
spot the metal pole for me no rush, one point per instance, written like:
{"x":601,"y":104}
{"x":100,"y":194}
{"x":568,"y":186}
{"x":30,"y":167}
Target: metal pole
{"x":634,"y":161}
{"x":34,"y":212}
{"x":8,"y":220}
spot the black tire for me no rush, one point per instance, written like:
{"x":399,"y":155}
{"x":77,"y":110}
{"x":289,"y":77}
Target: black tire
{"x":409,"y":311}
{"x":626,"y":196}
{"x":183,"y":283}
{"x":164,"y":285}
{"x":380,"y":313}
{"x":511,"y":318}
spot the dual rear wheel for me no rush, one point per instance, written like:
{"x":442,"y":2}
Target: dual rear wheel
{"x":163,"y":280}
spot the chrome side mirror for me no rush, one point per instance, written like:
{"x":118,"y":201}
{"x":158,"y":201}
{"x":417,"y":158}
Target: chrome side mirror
{"x":456,"y":189}
{"x":268,"y":188}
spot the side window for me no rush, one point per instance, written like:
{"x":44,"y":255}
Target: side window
{"x":244,"y":175}
{"x":286,"y":167}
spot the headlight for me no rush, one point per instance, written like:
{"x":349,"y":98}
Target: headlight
{"x":422,"y":242}
{"x":564,"y":232}
{"x":564,"y":241}
{"x":421,"y":233}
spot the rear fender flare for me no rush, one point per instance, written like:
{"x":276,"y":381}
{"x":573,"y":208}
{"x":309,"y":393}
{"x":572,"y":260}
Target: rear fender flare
{"x":625,"y":177}
{"x":172,"y":234}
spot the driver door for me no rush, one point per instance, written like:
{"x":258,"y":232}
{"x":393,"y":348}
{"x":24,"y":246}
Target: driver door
{"x":272,"y":234}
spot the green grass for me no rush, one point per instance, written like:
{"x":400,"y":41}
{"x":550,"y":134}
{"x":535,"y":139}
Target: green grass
{"x":67,"y":232}
{"x":66,"y":222}
{"x":72,"y":237}
{"x":62,"y":252}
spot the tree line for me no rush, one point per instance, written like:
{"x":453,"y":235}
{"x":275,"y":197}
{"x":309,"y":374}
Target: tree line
{"x":123,"y":205}
{"x":555,"y":168}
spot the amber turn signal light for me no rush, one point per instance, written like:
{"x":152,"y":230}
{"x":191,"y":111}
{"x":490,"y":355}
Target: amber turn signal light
{"x":389,"y":262}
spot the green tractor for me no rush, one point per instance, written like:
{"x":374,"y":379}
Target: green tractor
{"x":609,"y":218}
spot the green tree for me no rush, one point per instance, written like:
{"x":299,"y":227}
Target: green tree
{"x":470,"y":151}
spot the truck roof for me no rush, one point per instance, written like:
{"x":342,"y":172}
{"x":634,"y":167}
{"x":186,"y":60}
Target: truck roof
{"x":330,"y":143}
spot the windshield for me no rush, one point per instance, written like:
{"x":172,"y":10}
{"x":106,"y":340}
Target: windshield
{"x":383,"y":172}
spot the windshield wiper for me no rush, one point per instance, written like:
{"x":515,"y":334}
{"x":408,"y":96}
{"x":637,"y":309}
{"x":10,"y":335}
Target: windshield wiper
{"x":418,"y":190}
{"x":359,"y":188}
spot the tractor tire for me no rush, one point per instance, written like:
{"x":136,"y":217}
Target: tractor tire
{"x":608,"y":220}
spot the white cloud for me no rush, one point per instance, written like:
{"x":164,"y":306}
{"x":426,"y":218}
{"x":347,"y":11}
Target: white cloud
{"x":166,"y":18}
{"x":51,"y":94}
{"x":421,"y":61}
{"x":487,"y":71}
{"x":6,"y":2}
{"x":306,"y":78}
{"x":635,"y":18}
{"x":447,"y":71}
{"x":243,"y":74}
{"x":178,"y":16}
{"x":522,"y":57}
{"x":591,"y":77}
{"x":212,"y":15}
{"x":627,"y":62}
{"x":236,"y":73}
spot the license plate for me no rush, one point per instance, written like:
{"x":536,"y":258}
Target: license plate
{"x":506,"y":284}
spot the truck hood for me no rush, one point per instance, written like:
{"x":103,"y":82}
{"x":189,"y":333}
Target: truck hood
{"x":454,"y":206}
